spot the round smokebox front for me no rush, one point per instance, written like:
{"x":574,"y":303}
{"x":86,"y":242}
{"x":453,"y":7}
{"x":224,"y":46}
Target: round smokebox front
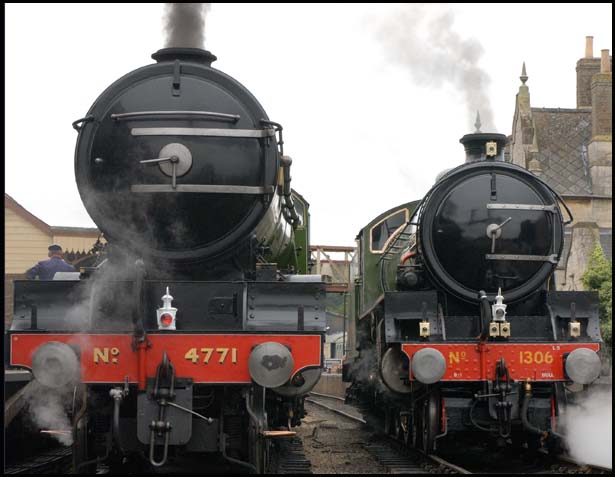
{"x":177,"y":159}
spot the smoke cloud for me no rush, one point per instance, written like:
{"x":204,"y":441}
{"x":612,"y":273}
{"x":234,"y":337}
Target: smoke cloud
{"x":588,"y":427}
{"x":185,"y":24}
{"x":48,"y":410}
{"x":421,"y":37}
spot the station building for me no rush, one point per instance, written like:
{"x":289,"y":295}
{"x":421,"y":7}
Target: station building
{"x":571,"y":150}
{"x":26,"y":238}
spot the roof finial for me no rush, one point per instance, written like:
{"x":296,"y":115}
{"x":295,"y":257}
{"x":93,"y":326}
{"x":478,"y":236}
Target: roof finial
{"x":523,"y":76}
{"x":477,"y":123}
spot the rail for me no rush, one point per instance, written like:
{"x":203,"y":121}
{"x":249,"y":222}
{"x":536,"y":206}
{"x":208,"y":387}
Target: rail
{"x":397,"y":460}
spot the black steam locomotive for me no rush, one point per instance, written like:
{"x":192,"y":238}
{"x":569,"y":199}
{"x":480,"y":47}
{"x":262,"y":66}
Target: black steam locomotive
{"x":456,"y":325}
{"x":199,"y":331}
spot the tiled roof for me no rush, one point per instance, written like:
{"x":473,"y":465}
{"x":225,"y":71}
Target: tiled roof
{"x":563,"y":136}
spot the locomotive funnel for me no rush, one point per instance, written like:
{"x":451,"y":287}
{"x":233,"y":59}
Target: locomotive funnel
{"x":194,"y":55}
{"x":484,"y":146}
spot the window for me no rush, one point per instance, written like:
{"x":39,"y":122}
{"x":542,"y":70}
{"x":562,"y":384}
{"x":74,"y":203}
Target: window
{"x":384,"y":230}
{"x":300,"y":208}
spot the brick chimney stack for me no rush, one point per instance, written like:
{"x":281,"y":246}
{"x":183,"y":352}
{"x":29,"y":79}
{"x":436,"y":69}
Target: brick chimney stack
{"x":589,"y":47}
{"x":586,"y":68}
{"x":601,"y":145}
{"x":605,"y":62}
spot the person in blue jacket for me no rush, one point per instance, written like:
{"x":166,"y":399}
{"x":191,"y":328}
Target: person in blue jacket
{"x":46,"y":269}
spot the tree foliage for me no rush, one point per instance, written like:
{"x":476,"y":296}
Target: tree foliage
{"x":599,"y":277}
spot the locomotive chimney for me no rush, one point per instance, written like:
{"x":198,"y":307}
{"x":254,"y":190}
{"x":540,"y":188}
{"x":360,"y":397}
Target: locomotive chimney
{"x":484,"y":146}
{"x":191,"y":55}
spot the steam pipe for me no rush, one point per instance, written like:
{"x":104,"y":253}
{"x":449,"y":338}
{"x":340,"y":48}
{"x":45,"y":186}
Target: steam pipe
{"x":140,"y":340}
{"x":118,"y":395}
{"x":485,"y":313}
{"x":78,"y":417}
{"x":288,"y":201}
{"x":545,"y":435}
{"x":223,"y":448}
{"x":231,"y":459}
{"x":137,"y":316}
{"x":141,"y":348}
{"x":524,"y":419}
{"x":116,"y":423}
{"x":96,"y":460}
{"x":250,"y":411}
{"x":553,"y":324}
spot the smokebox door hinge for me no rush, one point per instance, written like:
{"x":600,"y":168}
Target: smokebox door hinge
{"x":177,"y":69}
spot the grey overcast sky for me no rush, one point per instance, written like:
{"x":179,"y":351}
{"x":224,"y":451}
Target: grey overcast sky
{"x":371,"y":96}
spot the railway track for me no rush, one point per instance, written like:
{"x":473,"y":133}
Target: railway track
{"x":54,"y":461}
{"x":567,"y":465}
{"x":290,"y":457}
{"x":389,"y":452}
{"x":399,"y":459}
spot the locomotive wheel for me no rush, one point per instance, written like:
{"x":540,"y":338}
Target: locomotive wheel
{"x":403,"y":427}
{"x":398,"y":432}
{"x":417,"y":426}
{"x":408,"y":432}
{"x":430,"y":422}
{"x":389,"y":422}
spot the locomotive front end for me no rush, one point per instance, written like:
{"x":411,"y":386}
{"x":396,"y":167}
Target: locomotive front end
{"x":198,"y":331}
{"x":457,"y":318}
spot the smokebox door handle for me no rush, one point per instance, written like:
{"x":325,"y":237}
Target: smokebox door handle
{"x":177,"y":70}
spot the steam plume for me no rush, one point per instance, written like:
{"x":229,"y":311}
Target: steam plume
{"x":47,"y":409}
{"x":185,"y":24}
{"x":421,"y":38}
{"x":589,"y":429}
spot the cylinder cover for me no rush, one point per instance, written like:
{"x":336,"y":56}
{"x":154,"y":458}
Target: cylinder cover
{"x":55,"y":364}
{"x":395,"y":368}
